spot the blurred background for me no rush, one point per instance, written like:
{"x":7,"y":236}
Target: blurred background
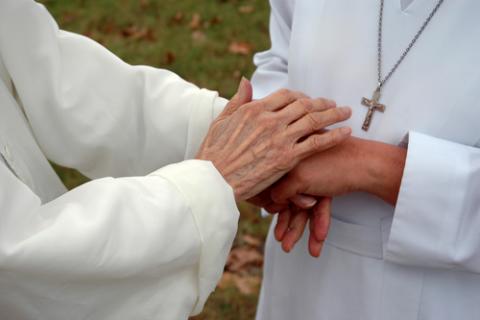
{"x":210,"y":43}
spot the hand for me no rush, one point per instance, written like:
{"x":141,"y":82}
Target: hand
{"x":293,"y":218}
{"x":355,"y":165}
{"x":253,"y":144}
{"x":292,"y":221}
{"x":264,"y":200}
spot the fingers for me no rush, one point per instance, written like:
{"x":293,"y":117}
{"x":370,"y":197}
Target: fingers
{"x":273,"y":208}
{"x":321,"y":214}
{"x":319,"y":224}
{"x":321,"y":142}
{"x":314,"y":246}
{"x":280,"y":99}
{"x":316,"y":121}
{"x":301,"y":107}
{"x":283,"y":221}
{"x":243,"y":96}
{"x":295,"y":231}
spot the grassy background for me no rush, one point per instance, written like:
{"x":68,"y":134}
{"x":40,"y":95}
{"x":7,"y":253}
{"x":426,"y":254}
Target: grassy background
{"x":210,"y":43}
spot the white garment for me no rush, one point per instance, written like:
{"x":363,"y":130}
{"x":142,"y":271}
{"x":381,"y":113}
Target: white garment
{"x":427,"y":264}
{"x":147,"y":246}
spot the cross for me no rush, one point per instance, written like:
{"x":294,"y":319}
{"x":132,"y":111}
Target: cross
{"x":373,"y":105}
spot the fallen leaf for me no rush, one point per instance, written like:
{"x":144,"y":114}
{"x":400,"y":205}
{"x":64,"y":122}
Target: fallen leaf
{"x":241,"y":48}
{"x":252,"y":241}
{"x":247,"y":284}
{"x":68,"y":17}
{"x":196,"y":21}
{"x":226,"y":280}
{"x":246,"y":9}
{"x":241,"y":258}
{"x":215,"y":20}
{"x":144,"y":4}
{"x":198,"y":37}
{"x":170,"y":57}
{"x":177,"y":19}
{"x":138,"y":33}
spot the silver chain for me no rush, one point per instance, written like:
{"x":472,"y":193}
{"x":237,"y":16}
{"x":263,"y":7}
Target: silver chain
{"x":407,"y":50}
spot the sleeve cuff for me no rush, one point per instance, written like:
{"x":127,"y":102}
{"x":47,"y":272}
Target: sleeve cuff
{"x":206,"y":110}
{"x":428,"y":214}
{"x":214,"y":209}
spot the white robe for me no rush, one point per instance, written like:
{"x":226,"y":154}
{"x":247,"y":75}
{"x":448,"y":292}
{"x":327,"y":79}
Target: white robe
{"x":421,"y":259}
{"x":151,"y":245}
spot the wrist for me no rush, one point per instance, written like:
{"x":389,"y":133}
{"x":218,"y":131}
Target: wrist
{"x":381,"y":170}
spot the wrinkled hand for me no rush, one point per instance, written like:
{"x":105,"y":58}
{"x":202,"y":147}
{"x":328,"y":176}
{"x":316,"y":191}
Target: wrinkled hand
{"x":253,"y":144}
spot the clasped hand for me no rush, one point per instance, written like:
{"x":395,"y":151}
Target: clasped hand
{"x":278,"y":153}
{"x":304,"y":195}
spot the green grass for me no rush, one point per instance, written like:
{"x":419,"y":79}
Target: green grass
{"x":191,"y":38}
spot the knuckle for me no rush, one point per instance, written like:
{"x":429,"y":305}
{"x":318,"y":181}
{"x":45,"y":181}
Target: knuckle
{"x":305,"y":104}
{"x":338,"y":114}
{"x":314,"y":121}
{"x":285,"y":160}
{"x":266,"y":121}
{"x":285,"y":94}
{"x":252,"y":110}
{"x":319,"y":141}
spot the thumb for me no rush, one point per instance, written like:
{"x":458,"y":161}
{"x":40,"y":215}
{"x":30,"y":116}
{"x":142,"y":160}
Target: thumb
{"x":243,"y":95}
{"x":303,"y":201}
{"x":286,"y":189}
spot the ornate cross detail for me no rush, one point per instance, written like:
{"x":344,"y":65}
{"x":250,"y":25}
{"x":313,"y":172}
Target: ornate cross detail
{"x":372,"y":105}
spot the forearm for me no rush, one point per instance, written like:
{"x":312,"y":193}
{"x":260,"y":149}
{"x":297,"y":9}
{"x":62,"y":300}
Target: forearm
{"x":382,"y":169}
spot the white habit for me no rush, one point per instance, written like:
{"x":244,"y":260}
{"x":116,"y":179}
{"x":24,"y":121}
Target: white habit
{"x":421,"y":259}
{"x":151,"y":245}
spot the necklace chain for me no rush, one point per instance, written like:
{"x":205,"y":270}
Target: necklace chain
{"x":381,"y":81}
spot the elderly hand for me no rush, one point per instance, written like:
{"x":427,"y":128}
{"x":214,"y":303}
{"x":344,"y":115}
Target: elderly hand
{"x":253,"y":144}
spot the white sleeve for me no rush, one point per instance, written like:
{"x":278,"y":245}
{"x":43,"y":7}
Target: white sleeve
{"x":272,"y":65}
{"x":91,"y":111}
{"x":129,"y":248}
{"x":437,"y":216}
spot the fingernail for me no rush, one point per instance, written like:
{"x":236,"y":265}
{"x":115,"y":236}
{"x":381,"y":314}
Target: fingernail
{"x":309,"y":202}
{"x":243,"y":84}
{"x":347,"y":111}
{"x":346,"y":130}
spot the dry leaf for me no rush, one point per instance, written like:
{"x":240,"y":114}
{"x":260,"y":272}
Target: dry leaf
{"x":241,"y":258}
{"x":170,"y":57}
{"x":144,"y":4}
{"x":226,"y":280}
{"x":215,"y":20}
{"x":247,"y":284}
{"x":177,"y":18}
{"x":196,"y":21}
{"x":246,"y":9}
{"x":198,"y":37}
{"x":241,"y":48}
{"x":137,"y":33}
{"x":252,"y":241}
